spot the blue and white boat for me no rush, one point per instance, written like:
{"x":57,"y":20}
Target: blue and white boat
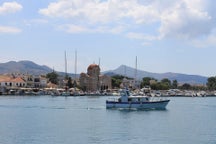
{"x":126,"y":101}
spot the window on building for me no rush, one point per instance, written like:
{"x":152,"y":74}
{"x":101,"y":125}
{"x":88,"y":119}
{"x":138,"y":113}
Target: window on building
{"x":36,"y":80}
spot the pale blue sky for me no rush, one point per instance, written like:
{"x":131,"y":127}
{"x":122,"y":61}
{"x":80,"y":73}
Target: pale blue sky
{"x":166,"y":36}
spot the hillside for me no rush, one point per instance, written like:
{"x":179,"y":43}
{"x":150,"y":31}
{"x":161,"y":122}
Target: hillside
{"x":33,"y":68}
{"x":181,"y":78}
{"x":23,"y":67}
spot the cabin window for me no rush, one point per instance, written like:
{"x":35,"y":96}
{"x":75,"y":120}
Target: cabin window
{"x":129,"y":99}
{"x":119,"y":100}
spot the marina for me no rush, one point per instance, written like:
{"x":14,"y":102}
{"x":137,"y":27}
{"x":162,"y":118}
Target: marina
{"x":111,"y":92}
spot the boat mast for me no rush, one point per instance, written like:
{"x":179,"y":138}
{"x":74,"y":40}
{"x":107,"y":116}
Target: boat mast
{"x":98,"y":83}
{"x":75,"y":63}
{"x":135,"y":77}
{"x":65,"y":65}
{"x":75,"y":68}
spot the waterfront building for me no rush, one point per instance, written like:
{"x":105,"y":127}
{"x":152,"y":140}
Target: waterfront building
{"x":9,"y":81}
{"x":93,"y":80}
{"x":22,"y":81}
{"x":35,"y":81}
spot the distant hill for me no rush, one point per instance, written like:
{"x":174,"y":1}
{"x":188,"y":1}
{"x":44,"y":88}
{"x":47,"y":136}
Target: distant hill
{"x":181,"y":78}
{"x":33,"y":68}
{"x":28,"y":67}
{"x":23,"y":67}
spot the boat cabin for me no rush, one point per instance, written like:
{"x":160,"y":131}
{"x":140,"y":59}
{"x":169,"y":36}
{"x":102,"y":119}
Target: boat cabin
{"x":126,"y":97}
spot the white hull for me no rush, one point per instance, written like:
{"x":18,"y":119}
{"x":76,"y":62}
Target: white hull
{"x":138,"y":105}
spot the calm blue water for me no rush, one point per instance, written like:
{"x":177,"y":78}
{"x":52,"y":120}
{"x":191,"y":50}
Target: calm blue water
{"x":82,"y":120}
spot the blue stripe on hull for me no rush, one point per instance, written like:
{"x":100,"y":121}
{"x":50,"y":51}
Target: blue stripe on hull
{"x":115,"y":102}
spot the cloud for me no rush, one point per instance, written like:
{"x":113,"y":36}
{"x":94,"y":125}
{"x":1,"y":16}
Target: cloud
{"x":183,"y":20}
{"x":8,"y":29}
{"x":179,"y":19}
{"x":10,"y":7}
{"x":141,"y":36}
{"x":92,"y":11}
{"x":72,"y":28}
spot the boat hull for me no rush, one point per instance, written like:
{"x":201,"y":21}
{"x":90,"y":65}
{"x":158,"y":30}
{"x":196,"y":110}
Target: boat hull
{"x":138,"y":105}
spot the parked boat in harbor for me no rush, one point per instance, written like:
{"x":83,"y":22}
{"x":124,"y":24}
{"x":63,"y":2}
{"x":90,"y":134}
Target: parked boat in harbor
{"x":136,"y":102}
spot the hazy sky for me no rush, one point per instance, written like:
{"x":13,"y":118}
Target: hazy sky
{"x":165,"y":35}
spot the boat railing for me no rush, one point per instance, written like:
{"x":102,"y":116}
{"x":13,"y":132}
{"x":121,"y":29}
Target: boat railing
{"x":113,"y":99}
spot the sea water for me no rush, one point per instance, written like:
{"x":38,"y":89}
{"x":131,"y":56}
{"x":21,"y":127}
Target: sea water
{"x":85,"y":120}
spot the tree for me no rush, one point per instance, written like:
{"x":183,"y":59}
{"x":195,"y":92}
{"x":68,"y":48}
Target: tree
{"x":166,"y":81}
{"x":186,"y":86}
{"x":174,"y":84}
{"x":211,"y":83}
{"x":146,"y":81}
{"x":52,"y":77}
{"x":117,"y":80}
{"x":69,"y":83}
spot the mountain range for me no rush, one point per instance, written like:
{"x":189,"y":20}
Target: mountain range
{"x":139,"y":74}
{"x":23,"y":67}
{"x":33,"y":68}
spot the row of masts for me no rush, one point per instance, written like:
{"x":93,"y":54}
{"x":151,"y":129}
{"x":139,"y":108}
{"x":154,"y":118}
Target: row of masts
{"x":75,"y":68}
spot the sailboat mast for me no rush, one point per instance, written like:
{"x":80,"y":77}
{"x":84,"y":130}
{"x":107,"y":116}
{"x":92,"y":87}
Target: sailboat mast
{"x":135,"y":78}
{"x":75,"y":64}
{"x":65,"y":65}
{"x":98,"y":78}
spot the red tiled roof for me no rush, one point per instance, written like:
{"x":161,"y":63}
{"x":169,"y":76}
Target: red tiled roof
{"x":18,"y":79}
{"x":5,"y":78}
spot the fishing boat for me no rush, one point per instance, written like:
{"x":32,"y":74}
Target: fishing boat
{"x":127,"y":101}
